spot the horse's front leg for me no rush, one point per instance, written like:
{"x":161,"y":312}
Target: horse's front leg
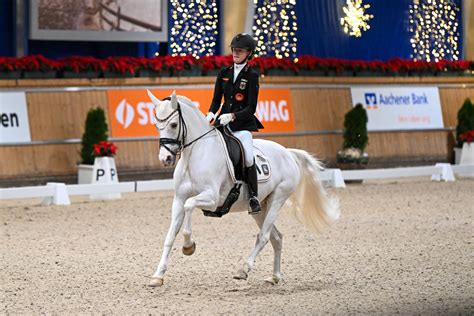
{"x":189,"y":246}
{"x":205,"y":200}
{"x":177,"y":216}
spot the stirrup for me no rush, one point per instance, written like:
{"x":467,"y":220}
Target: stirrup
{"x":254,"y":206}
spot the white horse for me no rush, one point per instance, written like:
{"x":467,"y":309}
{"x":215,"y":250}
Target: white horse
{"x":200,"y":183}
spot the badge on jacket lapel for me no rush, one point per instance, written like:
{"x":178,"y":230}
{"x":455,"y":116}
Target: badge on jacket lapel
{"x":239,"y":96}
{"x":243,"y":84}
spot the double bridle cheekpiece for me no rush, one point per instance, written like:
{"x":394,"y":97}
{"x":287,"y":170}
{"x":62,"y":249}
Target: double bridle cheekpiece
{"x":180,"y":141}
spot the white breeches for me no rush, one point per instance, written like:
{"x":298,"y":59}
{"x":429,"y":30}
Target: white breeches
{"x":245,"y":138}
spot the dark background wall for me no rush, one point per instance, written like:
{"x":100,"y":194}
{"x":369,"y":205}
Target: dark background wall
{"x":7,"y":46}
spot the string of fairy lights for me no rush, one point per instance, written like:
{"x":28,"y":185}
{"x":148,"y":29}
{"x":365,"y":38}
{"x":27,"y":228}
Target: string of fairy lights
{"x":355,"y":19}
{"x":274,"y":28}
{"x":435,"y":30}
{"x":195,"y":27}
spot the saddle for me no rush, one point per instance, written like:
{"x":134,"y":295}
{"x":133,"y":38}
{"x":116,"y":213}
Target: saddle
{"x":236,"y":158}
{"x":236,"y":164}
{"x":235,"y":150}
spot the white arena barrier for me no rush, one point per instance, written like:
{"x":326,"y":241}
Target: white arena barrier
{"x":441,"y":171}
{"x":155,"y":185}
{"x":52,"y":192}
{"x":463,"y":170}
{"x":333,"y":177}
{"x":58,"y":193}
{"x":100,"y":188}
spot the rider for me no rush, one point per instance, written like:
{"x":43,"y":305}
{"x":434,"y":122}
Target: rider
{"x":239,"y":86}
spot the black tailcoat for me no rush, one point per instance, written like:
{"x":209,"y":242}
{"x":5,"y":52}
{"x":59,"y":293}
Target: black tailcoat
{"x":240,"y":97}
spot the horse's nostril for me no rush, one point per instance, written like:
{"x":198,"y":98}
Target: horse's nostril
{"x":168,"y":159}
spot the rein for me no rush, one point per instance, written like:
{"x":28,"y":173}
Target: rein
{"x":181,"y":143}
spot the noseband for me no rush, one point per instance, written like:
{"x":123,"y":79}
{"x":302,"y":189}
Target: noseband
{"x":180,"y":141}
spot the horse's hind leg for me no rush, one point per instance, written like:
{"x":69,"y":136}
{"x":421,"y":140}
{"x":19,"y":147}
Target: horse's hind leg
{"x":276,"y":238}
{"x":275,"y":202}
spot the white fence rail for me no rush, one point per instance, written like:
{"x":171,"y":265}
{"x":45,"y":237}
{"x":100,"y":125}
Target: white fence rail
{"x":58,"y":193}
{"x":155,"y":185}
{"x":464,"y":170}
{"x":100,"y":188}
{"x":26,"y":192}
{"x":368,"y":174}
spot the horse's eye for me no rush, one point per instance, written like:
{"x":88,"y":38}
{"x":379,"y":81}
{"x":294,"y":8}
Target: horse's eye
{"x":174,"y":125}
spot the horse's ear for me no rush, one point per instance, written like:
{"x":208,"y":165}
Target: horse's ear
{"x":174,"y":100}
{"x":154,"y":99}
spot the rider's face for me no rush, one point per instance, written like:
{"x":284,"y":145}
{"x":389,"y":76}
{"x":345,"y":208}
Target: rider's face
{"x":239,"y":54}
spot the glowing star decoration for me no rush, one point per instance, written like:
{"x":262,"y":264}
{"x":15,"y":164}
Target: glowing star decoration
{"x":435,"y":30}
{"x":355,"y":19}
{"x":195,"y":27}
{"x":274,"y":28}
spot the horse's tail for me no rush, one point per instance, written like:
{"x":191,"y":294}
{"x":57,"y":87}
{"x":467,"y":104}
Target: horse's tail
{"x":312,"y":206}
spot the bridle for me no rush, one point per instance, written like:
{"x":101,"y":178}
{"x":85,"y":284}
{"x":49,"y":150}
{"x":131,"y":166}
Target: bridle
{"x":180,"y":140}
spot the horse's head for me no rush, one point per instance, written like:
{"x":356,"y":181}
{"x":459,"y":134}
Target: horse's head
{"x":168,"y":120}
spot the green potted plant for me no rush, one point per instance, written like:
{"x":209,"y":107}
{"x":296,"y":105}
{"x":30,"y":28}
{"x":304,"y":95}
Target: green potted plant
{"x":352,"y":155}
{"x":95,"y":132}
{"x":464,"y":129}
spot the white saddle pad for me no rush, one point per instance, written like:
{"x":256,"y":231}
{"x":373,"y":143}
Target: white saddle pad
{"x":264,"y":170}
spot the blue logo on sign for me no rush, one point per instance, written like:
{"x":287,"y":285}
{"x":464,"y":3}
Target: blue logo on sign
{"x":370,"y":100}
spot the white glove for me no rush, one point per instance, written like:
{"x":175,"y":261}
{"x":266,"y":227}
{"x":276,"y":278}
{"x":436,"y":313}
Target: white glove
{"x":210,"y":116}
{"x":225,"y":119}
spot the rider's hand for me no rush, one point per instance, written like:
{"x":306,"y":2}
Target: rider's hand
{"x":225,"y":119}
{"x":210,"y":116}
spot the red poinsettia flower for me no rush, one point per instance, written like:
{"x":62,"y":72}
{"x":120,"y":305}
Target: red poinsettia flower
{"x":104,"y":149}
{"x":208,"y":63}
{"x":176,"y":64}
{"x":9,"y":64}
{"x":121,"y":64}
{"x":38,"y":63}
{"x":467,"y":137}
{"x":81,"y":63}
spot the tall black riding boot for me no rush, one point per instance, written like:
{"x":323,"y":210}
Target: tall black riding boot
{"x":251,"y":177}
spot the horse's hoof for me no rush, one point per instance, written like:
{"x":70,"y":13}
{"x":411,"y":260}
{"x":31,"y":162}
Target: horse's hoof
{"x":187,"y":251}
{"x":155,"y":282}
{"x":273,"y":280}
{"x":241,"y":275}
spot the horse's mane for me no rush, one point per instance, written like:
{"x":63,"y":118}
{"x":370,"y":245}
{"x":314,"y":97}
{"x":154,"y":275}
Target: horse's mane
{"x":187,"y":102}
{"x":184,"y":99}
